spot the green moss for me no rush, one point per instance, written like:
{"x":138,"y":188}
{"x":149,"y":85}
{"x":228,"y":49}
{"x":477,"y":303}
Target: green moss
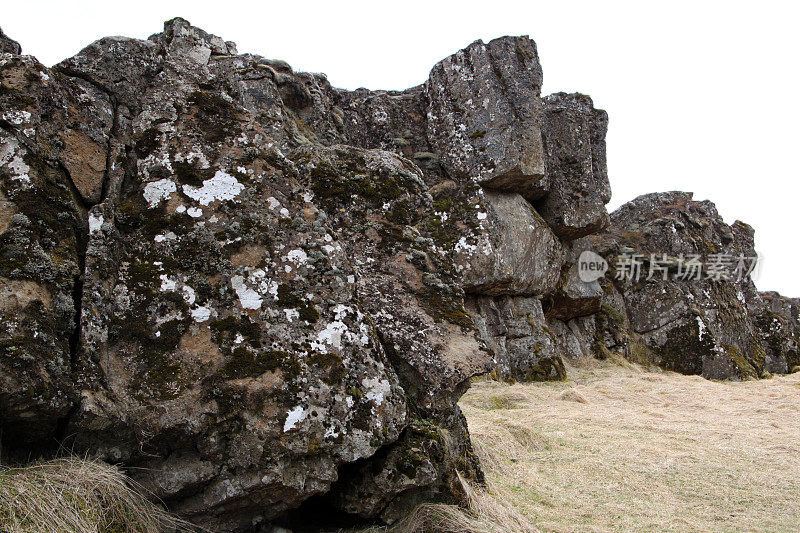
{"x":348,"y":175}
{"x":225,"y":330}
{"x":287,"y":298}
{"x":188,"y":174}
{"x":421,"y":444}
{"x":355,"y":392}
{"x":217,"y":116}
{"x":246,"y":362}
{"x":146,"y":142}
{"x":610,"y":315}
{"x":522,"y":55}
{"x":308,"y":312}
{"x":745,"y":369}
{"x":401,"y":212}
{"x":459,"y":221}
{"x":332,"y":365}
{"x":443,"y":304}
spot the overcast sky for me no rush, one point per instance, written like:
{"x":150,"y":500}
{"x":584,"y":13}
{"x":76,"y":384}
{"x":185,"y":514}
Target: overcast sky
{"x":702,"y":97}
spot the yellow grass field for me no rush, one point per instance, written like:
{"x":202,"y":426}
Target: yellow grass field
{"x":618,"y":448}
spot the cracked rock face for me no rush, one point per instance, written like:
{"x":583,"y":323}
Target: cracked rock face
{"x":574,"y":143}
{"x":265,"y":295}
{"x":259,"y":292}
{"x":484,"y":115}
{"x":694,"y":326}
{"x":8,"y":45}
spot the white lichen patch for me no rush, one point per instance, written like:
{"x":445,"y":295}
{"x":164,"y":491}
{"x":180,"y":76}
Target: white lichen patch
{"x":194,"y":212}
{"x":298,"y":256}
{"x":463,"y":245}
{"x":377,"y":389}
{"x":167,"y":283}
{"x":221,"y":187}
{"x":16,"y":117}
{"x":701,"y":328}
{"x":11,"y":158}
{"x":330,"y":336}
{"x":336,"y":332}
{"x":291,"y":314}
{"x":169,"y":236}
{"x":198,"y":156}
{"x":294,"y":417}
{"x":200,"y":313}
{"x":188,"y":295}
{"x":156,"y":191}
{"x":248,"y":298}
{"x":95,"y":223}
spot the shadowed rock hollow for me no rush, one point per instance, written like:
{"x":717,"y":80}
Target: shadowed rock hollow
{"x":265,"y":294}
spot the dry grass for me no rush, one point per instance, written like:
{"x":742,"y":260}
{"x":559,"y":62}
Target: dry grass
{"x":77,"y":496}
{"x":617,"y":448}
{"x":490,"y":511}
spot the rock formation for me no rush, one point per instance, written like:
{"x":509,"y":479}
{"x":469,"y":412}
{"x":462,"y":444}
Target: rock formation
{"x":266,"y":295}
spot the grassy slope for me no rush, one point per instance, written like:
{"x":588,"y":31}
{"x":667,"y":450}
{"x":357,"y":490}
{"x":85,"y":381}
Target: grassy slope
{"x":618,"y":448}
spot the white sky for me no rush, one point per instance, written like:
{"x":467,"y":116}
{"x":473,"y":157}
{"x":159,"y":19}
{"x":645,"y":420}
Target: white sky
{"x":702,"y":96}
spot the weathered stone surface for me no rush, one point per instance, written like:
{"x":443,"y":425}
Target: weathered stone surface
{"x":484,"y":115}
{"x":515,"y":251}
{"x":42,"y":234}
{"x":575,"y":154}
{"x":258,"y":310}
{"x":265,"y":295}
{"x":574,"y":297}
{"x":574,"y":339}
{"x":694,"y":326}
{"x":778,"y":323}
{"x":66,"y":121}
{"x":8,"y":45}
{"x":39,"y":272}
{"x":515,"y":330}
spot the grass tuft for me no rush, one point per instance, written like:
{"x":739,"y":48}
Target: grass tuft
{"x":73,"y":495}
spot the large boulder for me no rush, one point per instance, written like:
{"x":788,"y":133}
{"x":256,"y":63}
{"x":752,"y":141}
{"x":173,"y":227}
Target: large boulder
{"x":264,"y":296}
{"x":574,"y":135}
{"x":484,"y":115}
{"x":259,"y":314}
{"x":676,"y":264}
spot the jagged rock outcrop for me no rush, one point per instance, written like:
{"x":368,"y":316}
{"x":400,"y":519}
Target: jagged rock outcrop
{"x":484,"y":116}
{"x":689,"y":307}
{"x":574,"y":142}
{"x":777,"y":320}
{"x":265,"y":295}
{"x":261,"y":292}
{"x":8,"y":45}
